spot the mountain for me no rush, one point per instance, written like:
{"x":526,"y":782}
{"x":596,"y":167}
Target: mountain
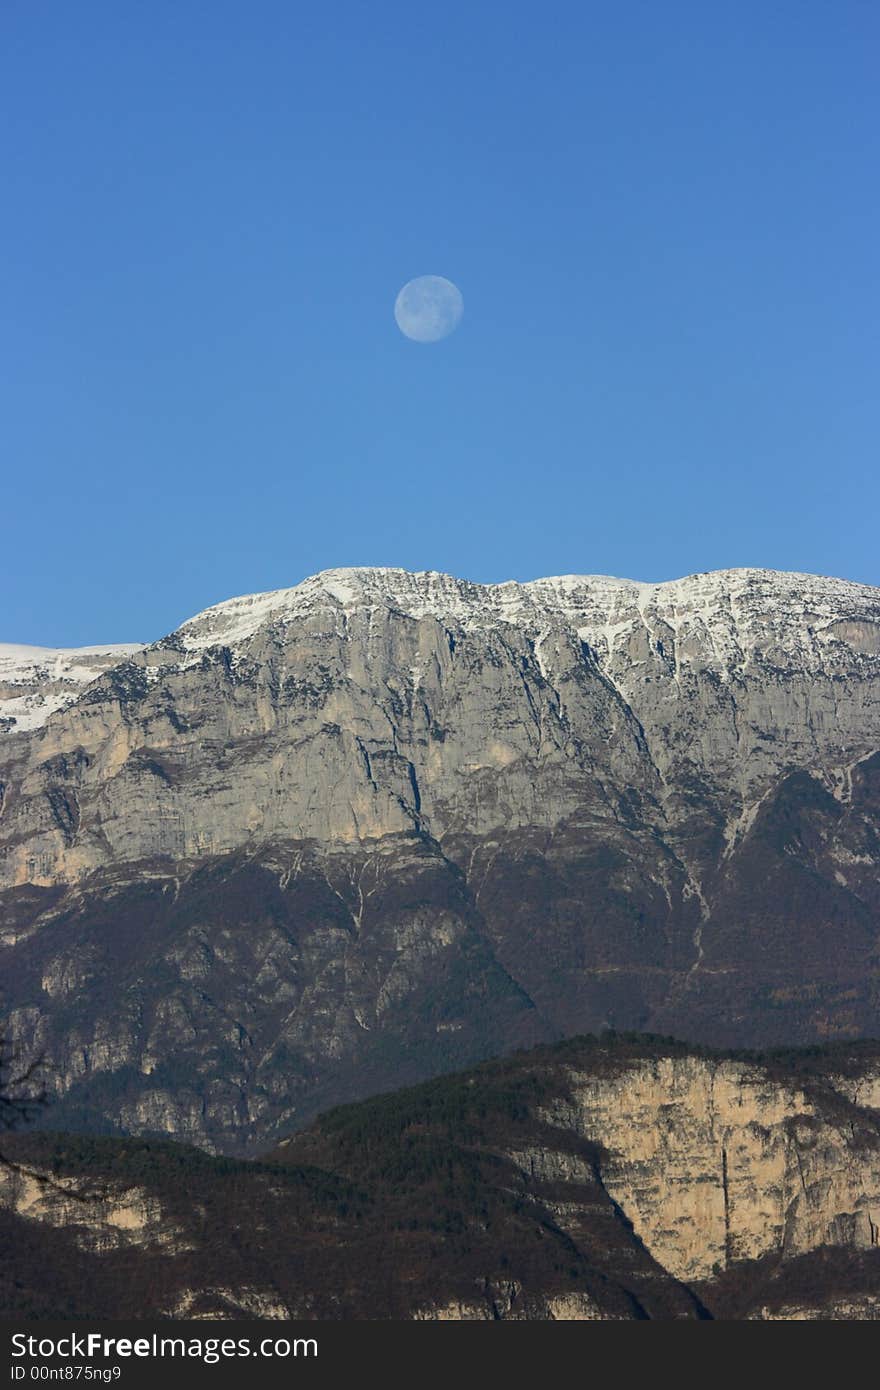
{"x":328,"y":840}
{"x":601,"y":1178}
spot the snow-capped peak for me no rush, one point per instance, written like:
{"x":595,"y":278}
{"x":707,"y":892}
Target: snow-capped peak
{"x":738,"y":607}
{"x":721,"y":618}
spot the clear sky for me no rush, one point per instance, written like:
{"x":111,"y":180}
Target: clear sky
{"x":664,"y":219}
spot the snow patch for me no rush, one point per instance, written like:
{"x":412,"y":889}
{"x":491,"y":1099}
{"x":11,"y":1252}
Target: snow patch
{"x":35,"y":682}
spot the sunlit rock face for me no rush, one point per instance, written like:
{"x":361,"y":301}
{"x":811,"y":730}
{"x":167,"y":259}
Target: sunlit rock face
{"x":323,"y":840}
{"x":717,"y":1162}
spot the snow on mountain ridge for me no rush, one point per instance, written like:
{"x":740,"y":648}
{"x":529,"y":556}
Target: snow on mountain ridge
{"x":729,"y":605}
{"x":17,"y":657}
{"x":37,"y":681}
{"x":723,"y":616}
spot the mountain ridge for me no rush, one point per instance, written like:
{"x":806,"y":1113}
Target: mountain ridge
{"x":440,"y":594}
{"x":401,"y":822}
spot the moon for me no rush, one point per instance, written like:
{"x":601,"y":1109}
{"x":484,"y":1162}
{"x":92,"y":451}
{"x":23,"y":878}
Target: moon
{"x":428,"y":308}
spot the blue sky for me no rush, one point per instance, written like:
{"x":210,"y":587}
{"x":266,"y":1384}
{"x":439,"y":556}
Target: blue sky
{"x":663,"y":219}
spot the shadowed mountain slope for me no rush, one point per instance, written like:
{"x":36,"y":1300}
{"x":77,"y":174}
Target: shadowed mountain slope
{"x":603,"y":1178}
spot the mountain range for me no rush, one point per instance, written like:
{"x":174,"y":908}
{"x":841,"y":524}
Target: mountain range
{"x":321,"y":842}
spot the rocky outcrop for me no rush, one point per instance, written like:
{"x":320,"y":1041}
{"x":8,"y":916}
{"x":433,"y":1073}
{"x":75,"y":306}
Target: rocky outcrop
{"x":865,"y":1309}
{"x":325,"y":840}
{"x":716,"y":1163}
{"x":100,"y":1217}
{"x":502,"y":1305}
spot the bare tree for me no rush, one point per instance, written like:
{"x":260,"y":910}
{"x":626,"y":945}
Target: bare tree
{"x":21,"y":1096}
{"x":22,"y":1099}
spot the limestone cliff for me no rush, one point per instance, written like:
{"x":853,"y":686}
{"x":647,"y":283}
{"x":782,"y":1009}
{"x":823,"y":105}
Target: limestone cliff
{"x":719,"y":1162}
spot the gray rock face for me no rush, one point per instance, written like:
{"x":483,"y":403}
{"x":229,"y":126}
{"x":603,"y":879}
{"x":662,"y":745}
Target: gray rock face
{"x":367,"y":703}
{"x":349,"y":833}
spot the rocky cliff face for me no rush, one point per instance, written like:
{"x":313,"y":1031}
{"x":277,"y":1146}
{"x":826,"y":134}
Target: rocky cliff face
{"x":323,"y":840}
{"x":598,"y":1179}
{"x":720,"y":1162}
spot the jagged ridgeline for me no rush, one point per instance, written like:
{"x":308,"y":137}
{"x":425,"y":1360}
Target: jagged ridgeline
{"x":326,"y":841}
{"x":601,"y":1178}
